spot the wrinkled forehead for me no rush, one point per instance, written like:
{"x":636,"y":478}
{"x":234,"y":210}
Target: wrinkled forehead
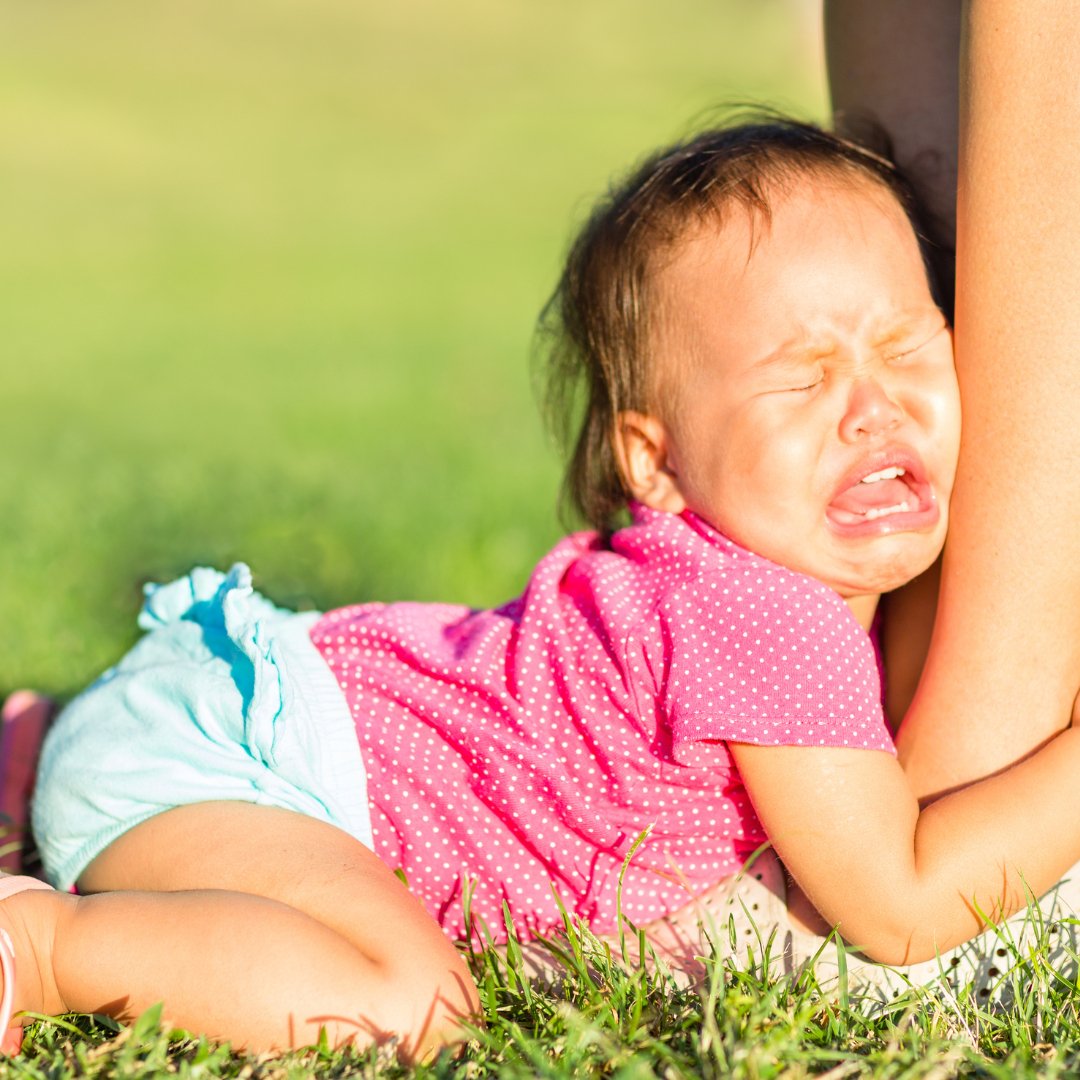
{"x":708,"y":264}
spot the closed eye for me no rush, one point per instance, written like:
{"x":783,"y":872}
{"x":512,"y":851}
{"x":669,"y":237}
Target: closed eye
{"x":815,"y":381}
{"x":904,"y":353}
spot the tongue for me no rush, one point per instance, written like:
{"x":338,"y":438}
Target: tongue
{"x":862,"y":497}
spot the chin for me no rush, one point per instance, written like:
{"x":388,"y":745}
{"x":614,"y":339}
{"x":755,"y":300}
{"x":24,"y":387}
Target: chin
{"x":885,"y":571}
{"x":893,"y":576}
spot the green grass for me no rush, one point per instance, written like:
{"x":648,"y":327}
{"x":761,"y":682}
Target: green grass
{"x":268,"y":279}
{"x":610,"y":1019}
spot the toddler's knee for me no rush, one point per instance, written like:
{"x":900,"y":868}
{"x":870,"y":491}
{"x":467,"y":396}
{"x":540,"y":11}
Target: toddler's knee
{"x":38,"y":923}
{"x":428,"y":1006}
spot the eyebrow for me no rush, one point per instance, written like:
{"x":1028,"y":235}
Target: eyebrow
{"x":801,"y":350}
{"x":792,"y":352}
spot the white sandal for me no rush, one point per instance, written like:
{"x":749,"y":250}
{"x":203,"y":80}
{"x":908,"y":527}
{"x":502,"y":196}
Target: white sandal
{"x":11,"y":1036}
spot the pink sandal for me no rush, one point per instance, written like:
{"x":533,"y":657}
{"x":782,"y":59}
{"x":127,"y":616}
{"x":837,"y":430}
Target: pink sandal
{"x":23,"y":722}
{"x":11,"y":1037}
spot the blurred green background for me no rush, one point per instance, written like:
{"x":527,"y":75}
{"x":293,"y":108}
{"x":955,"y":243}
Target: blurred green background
{"x":270,"y":271}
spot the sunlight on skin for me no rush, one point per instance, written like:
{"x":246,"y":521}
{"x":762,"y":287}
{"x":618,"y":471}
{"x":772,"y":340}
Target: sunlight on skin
{"x":1006,"y":656}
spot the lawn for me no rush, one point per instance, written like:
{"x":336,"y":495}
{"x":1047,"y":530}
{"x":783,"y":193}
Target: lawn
{"x":269,"y":278}
{"x":609,"y":1018}
{"x":268,"y":283}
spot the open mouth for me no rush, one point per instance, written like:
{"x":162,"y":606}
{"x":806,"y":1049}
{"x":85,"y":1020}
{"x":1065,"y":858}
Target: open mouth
{"x":880,"y":498}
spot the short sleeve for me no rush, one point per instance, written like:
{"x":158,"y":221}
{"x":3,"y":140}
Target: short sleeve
{"x":763,"y":655}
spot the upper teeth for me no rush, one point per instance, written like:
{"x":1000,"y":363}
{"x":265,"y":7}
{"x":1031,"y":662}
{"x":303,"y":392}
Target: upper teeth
{"x":891,"y":473}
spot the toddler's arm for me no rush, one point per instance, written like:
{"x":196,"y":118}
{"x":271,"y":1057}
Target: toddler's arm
{"x":903,"y":884}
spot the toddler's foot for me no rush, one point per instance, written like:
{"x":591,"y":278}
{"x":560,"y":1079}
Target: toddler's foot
{"x":23,"y":722}
{"x":17,"y":936}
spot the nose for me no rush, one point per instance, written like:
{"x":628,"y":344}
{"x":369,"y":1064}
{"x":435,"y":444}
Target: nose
{"x":870,"y":410}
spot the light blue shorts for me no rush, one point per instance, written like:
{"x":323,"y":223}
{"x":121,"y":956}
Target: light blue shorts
{"x":224,"y":698}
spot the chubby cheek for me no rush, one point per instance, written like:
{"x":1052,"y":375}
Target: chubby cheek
{"x":938,"y":413}
{"x":786,"y":451}
{"x":932,"y":398}
{"x":768,"y":483}
{"x":953,"y":424}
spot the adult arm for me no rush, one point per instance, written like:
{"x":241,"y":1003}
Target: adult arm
{"x":894,"y":68}
{"x":893,"y":65}
{"x":1004,"y":665}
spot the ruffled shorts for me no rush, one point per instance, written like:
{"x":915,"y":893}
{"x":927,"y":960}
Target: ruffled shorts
{"x":225,"y":697}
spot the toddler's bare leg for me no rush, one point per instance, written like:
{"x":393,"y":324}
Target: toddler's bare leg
{"x":256,"y":925}
{"x":1004,"y":668}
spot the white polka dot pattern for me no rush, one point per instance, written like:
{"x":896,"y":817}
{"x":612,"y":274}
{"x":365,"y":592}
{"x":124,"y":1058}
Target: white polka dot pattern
{"x":525,"y":749}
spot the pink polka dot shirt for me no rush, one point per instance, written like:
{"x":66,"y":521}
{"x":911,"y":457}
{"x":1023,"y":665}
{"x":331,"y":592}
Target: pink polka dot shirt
{"x":520,"y":752}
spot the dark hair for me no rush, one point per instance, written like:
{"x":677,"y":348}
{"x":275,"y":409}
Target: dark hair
{"x":596,"y":328}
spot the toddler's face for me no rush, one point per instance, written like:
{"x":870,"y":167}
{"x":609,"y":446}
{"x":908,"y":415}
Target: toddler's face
{"x":815,"y":417}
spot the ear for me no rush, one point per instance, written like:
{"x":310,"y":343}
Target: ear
{"x":642,"y":448}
